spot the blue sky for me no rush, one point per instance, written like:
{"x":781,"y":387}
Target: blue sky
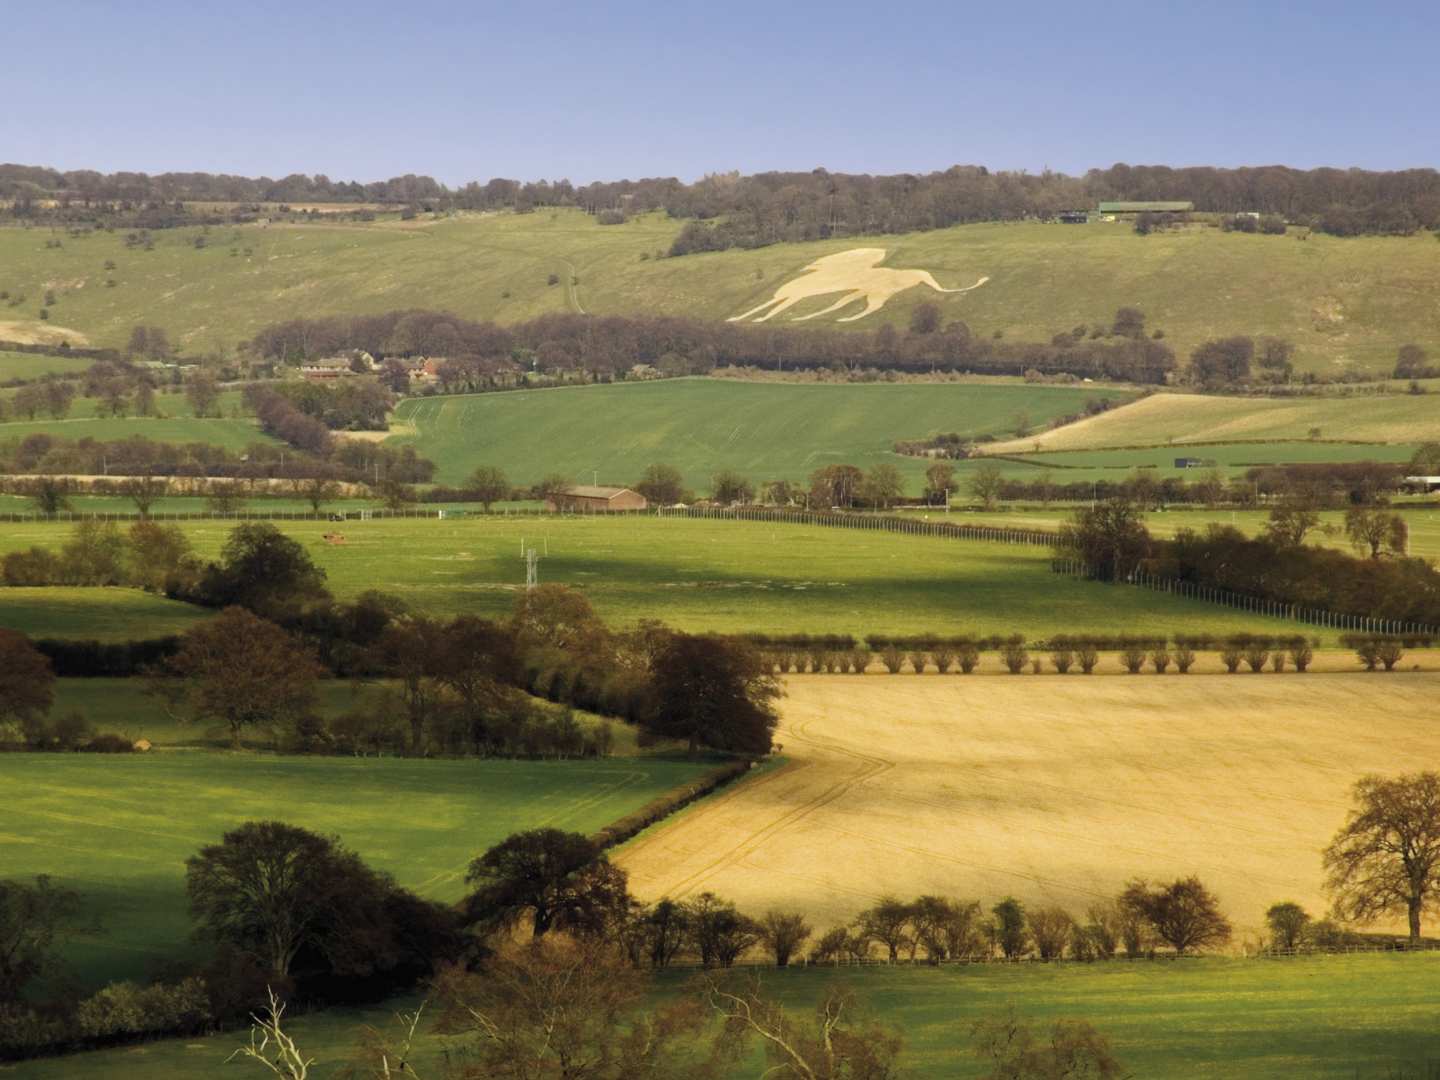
{"x":604,"y":91}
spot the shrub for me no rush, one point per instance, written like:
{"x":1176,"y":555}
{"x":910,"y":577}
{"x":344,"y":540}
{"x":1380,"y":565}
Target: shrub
{"x":969,"y":657}
{"x":1161,"y":659}
{"x":1062,"y":657}
{"x":1087,"y":656}
{"x":1231,"y":653}
{"x":109,"y":743}
{"x":1132,"y":655}
{"x":918,"y":660}
{"x":1390,"y":653}
{"x":859,"y":661}
{"x":1257,"y":652}
{"x":1301,"y":653}
{"x":1037,"y":665}
{"x":893,"y":659}
{"x":1184,"y":657}
{"x":944,"y":658}
{"x":1014,"y":653}
{"x":1277,"y":660}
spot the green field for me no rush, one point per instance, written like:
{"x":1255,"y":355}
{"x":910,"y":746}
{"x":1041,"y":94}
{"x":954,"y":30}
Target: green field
{"x":1323,"y":1018}
{"x":1162,"y":419}
{"x":229,"y":434}
{"x":719,"y":575}
{"x":168,"y":406}
{"x":1342,"y":301}
{"x":1231,"y":459}
{"x":28,"y":366}
{"x":98,"y":614}
{"x":765,"y":431}
{"x":1424,"y":524}
{"x":117,"y":830}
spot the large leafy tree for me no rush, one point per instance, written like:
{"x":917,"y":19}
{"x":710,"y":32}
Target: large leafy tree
{"x":1386,"y":858}
{"x":33,"y":918}
{"x":1184,"y":914}
{"x":716,"y":692}
{"x":560,"y":880}
{"x":489,"y":485}
{"x":1109,"y":538}
{"x":303,"y":905}
{"x":242,"y":671}
{"x":662,"y":485}
{"x":266,"y":571}
{"x":27,"y":681}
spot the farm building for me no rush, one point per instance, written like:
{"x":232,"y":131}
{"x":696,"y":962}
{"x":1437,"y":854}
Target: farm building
{"x":1171,"y":207}
{"x":591,"y":499}
{"x":1423,"y":484}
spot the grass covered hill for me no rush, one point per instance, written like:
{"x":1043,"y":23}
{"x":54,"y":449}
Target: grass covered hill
{"x":765,"y":431}
{"x":1342,"y":301}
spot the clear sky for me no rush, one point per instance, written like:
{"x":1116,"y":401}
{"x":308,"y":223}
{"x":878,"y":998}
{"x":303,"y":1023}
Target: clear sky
{"x":608,"y":90}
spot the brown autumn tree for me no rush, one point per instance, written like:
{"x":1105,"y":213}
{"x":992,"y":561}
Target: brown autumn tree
{"x":1386,"y":858}
{"x":244,"y":672}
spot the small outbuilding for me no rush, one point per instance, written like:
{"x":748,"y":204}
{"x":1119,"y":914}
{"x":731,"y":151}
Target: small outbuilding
{"x":596,"y":499}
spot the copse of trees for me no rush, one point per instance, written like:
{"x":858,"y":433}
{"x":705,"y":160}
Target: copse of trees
{"x":482,"y":356}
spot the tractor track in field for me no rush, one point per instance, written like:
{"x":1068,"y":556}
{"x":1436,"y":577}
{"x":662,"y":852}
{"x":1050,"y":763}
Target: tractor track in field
{"x":738,"y":804}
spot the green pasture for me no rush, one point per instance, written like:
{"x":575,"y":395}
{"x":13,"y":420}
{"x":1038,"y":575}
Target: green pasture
{"x":118,"y":829}
{"x":1232,"y":459}
{"x":1424,"y":524}
{"x":102,"y":614}
{"x":168,"y":406}
{"x":1344,"y":302}
{"x":229,"y":434}
{"x":723,"y":576}
{"x":1323,"y":1018}
{"x":765,"y":431}
{"x":30,"y":366}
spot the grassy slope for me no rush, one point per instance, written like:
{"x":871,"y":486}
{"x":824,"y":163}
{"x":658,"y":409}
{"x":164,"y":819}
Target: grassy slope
{"x":1331,"y":1018}
{"x":723,"y":576}
{"x":176,"y":422}
{"x":1341,"y":301}
{"x":1188,"y":418}
{"x":118,"y":830}
{"x":101,"y":614}
{"x":763,"y":430}
{"x":19,"y":365}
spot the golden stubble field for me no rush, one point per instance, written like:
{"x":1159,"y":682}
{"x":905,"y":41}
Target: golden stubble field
{"x":1054,"y":790}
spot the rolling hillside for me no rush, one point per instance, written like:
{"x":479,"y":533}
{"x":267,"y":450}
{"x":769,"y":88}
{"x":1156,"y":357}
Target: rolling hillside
{"x":1342,"y":301}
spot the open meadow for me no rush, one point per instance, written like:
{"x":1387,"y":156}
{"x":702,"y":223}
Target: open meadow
{"x":1162,"y":419}
{"x":763,"y":430}
{"x":1318,"y":1018}
{"x":1055,"y":790}
{"x":117,"y":830}
{"x":697,"y":575}
{"x":94,"y":614}
{"x":1344,"y":302}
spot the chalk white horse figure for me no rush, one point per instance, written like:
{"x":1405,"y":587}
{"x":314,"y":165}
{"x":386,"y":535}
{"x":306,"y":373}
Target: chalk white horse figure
{"x":858,"y":274}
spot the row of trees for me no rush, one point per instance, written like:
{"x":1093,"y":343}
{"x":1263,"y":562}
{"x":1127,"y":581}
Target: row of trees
{"x":481,"y":356}
{"x":789,"y":206}
{"x":1110,"y":539}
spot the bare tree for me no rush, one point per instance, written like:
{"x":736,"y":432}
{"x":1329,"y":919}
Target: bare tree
{"x":270,"y":1046}
{"x":888,"y":922}
{"x":833,"y":1045}
{"x":1050,"y":929}
{"x":1386,"y":858}
{"x":1073,"y":1050}
{"x":1184,"y":914}
{"x":783,"y":933}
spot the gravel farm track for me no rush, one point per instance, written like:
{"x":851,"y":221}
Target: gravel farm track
{"x":1054,"y":790}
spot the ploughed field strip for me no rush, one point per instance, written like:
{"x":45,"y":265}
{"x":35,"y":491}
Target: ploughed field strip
{"x":1054,"y":790}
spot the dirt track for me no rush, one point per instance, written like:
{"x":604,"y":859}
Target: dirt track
{"x":1054,"y":790}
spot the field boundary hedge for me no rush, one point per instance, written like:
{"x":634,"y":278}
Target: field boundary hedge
{"x":660,"y":808}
